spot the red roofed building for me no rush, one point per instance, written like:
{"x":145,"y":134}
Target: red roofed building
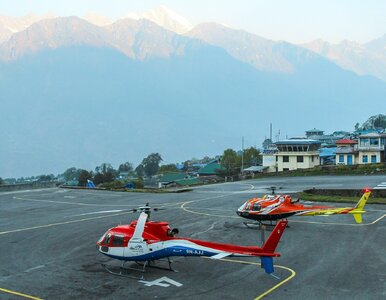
{"x":346,"y":142}
{"x":347,"y":152}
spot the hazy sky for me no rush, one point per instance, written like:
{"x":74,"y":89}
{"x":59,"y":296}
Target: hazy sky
{"x":296,"y":21}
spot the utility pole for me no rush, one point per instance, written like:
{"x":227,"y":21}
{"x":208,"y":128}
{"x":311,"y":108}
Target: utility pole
{"x":242,"y":155}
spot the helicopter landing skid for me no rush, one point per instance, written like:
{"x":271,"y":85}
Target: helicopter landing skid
{"x":259,"y":224}
{"x":147,"y":264}
{"x":122,"y":270}
{"x":151,"y":264}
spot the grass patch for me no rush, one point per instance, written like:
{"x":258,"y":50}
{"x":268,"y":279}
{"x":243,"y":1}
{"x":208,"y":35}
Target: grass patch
{"x":154,"y":191}
{"x":338,"y":199}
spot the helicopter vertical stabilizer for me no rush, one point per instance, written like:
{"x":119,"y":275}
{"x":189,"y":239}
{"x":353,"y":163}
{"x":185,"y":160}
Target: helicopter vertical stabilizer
{"x":270,"y":246}
{"x":358,"y":210}
{"x":274,"y":238}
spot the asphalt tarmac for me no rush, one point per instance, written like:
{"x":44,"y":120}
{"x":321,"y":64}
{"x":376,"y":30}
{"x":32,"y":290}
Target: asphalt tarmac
{"x":47,"y":245}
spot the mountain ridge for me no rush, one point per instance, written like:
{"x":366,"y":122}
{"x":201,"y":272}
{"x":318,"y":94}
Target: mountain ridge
{"x":81,"y":94}
{"x":363,"y":59}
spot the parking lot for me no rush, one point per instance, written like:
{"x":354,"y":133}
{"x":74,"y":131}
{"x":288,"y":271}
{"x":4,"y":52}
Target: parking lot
{"x":47,"y":243}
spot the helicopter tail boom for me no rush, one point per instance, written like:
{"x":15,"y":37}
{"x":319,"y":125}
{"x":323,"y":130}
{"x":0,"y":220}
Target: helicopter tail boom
{"x":270,"y":245}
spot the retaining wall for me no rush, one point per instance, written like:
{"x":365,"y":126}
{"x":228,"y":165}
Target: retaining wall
{"x":26,"y":186}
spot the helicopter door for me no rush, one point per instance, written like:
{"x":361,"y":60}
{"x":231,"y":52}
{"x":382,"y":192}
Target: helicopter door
{"x":117,"y":245}
{"x":136,"y":248}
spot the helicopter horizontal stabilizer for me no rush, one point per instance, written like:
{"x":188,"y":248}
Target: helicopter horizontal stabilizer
{"x":221,"y":255}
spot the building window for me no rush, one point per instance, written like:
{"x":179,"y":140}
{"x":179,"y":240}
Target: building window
{"x":312,"y":158}
{"x":285,"y":169}
{"x":341,"y":158}
{"x":364,"y":159}
{"x":373,"y":159}
{"x":299,"y":159}
{"x":364,"y":142}
{"x":285,"y":158}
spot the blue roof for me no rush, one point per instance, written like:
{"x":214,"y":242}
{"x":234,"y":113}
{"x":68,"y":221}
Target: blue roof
{"x":179,"y":166}
{"x":365,"y":131}
{"x":298,"y":142}
{"x":324,"y":152}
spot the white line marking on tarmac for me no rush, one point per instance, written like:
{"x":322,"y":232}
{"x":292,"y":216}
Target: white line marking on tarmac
{"x":60,"y":223}
{"x":163,"y":282}
{"x":22,"y":191}
{"x":34,"y":268}
{"x":381,"y":186}
{"x":91,"y":204}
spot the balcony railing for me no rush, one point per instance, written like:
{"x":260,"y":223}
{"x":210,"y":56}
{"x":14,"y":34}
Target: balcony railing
{"x":371,"y":148}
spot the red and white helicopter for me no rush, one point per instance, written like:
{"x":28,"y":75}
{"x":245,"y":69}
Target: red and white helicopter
{"x":276,"y":207}
{"x":144,"y":241}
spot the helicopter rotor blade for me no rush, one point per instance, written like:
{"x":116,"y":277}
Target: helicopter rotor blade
{"x":139,"y":228}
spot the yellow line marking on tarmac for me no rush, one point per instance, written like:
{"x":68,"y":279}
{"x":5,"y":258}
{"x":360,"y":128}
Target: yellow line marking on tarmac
{"x":19,"y":294}
{"x":204,"y":214}
{"x":208,"y":198}
{"x":293,"y":274}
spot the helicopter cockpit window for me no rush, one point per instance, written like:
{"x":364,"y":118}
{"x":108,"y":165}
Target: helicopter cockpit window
{"x":107,"y":239}
{"x":118,"y":240}
{"x":256,"y":207}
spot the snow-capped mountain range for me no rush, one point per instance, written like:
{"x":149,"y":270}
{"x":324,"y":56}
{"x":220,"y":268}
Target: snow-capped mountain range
{"x":363,"y":59}
{"x":82,"y":91}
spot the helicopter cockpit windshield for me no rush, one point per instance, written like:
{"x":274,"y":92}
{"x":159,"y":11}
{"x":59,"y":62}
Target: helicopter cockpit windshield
{"x":102,"y":238}
{"x":250,"y":206}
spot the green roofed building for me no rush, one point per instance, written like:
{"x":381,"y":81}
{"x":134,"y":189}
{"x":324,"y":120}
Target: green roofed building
{"x":172,"y":176}
{"x":210,"y":169}
{"x":188,"y":181}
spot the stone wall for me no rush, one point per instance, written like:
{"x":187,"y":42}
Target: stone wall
{"x":26,"y":186}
